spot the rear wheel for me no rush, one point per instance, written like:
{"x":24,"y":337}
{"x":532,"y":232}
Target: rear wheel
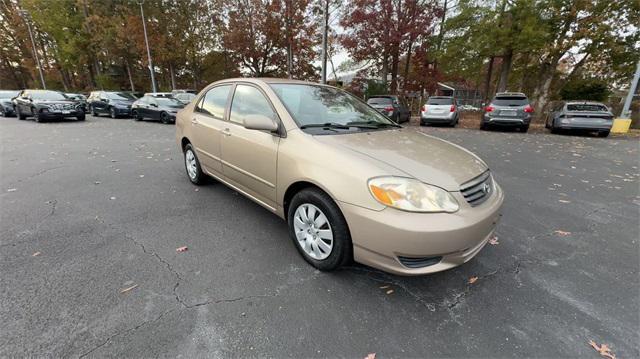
{"x":603,"y":133}
{"x":94,"y":112}
{"x":20,"y":115}
{"x":318,"y":230}
{"x":484,"y":126}
{"x":192,"y":165}
{"x":524,"y":128}
{"x":80,"y":117}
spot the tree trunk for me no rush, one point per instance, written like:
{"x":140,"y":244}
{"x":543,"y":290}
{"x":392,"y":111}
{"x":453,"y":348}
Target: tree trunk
{"x":128,"y":67}
{"x":406,"y":66}
{"x":395,"y":59}
{"x":172,"y":73}
{"x":385,"y":67}
{"x":507,"y":59}
{"x":487,"y":79}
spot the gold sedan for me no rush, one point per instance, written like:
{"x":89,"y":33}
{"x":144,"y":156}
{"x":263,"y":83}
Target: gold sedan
{"x":351,"y":184}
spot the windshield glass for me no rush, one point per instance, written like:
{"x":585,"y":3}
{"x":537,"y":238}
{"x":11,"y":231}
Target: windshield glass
{"x":168,"y":101}
{"x":587,"y":107}
{"x":312,"y":104}
{"x":48,"y":96}
{"x":439,"y":101}
{"x":185,"y":96}
{"x":510,"y":101}
{"x":124,"y":96}
{"x":379,"y":101}
{"x":8,"y":94}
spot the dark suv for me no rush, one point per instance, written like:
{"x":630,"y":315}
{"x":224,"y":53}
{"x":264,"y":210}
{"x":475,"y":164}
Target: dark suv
{"x":46,"y":105}
{"x":114,"y":104}
{"x":390,"y":105}
{"x":6,"y":104}
{"x":508,"y":109}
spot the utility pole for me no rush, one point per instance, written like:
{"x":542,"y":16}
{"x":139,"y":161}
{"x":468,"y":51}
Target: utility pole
{"x":325,"y":32}
{"x":626,"y":114}
{"x":25,"y":15}
{"x":146,"y":41}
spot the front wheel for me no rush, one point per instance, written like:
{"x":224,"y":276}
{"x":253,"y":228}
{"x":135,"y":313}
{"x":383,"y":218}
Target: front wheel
{"x":112,"y":112}
{"x":36,"y":115}
{"x":318,"y":230}
{"x":192,"y":165}
{"x":80,"y":117}
{"x":20,"y":115}
{"x":603,"y":133}
{"x":94,"y":113}
{"x":164,"y":118}
{"x":136,"y":116}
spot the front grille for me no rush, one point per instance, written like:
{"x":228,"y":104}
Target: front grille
{"x":419,"y":262}
{"x":60,"y":106}
{"x":478,"y":189}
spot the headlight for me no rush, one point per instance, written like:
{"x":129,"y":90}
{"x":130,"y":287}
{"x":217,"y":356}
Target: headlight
{"x":411,"y":195}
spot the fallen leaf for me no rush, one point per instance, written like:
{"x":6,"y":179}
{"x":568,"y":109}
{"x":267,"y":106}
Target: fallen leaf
{"x":384,"y":287}
{"x":35,"y":254}
{"x":494,"y":241}
{"x":181,"y":249}
{"x":370,"y":356}
{"x":141,"y":176}
{"x":473,"y":280}
{"x":112,"y":198}
{"x":11,"y":190}
{"x":390,"y":291}
{"x":604,"y":350}
{"x":197,"y":189}
{"x":97,"y":182}
{"x":561,"y":233}
{"x":563,"y":201}
{"x":128,"y":289}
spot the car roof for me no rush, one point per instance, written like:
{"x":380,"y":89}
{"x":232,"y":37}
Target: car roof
{"x":442,"y":97}
{"x":573,"y":102}
{"x":158,"y":94}
{"x":382,"y":96}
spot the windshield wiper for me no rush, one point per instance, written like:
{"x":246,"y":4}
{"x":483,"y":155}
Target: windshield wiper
{"x":372,"y":124}
{"x":331,"y":125}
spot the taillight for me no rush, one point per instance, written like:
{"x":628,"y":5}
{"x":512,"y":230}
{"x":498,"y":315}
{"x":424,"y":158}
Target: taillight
{"x":390,"y":108}
{"x":424,"y":108}
{"x":488,"y":109}
{"x":528,"y":109}
{"x":453,"y":108}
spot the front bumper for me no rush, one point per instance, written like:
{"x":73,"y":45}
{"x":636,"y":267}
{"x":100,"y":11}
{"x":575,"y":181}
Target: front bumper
{"x":51,"y":115}
{"x":381,"y":237}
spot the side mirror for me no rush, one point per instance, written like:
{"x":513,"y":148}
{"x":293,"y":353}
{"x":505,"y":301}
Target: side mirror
{"x":260,"y":122}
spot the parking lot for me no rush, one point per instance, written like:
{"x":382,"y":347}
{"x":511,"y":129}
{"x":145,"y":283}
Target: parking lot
{"x":92,"y":213}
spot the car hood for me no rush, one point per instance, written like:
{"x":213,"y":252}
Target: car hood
{"x":426,"y":158}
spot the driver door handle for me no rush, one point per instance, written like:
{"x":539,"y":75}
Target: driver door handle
{"x":194,"y":121}
{"x":226,"y":132}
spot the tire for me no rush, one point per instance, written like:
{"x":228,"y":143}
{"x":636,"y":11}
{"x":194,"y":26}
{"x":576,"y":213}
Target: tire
{"x":553,"y":128}
{"x":20,"y":115}
{"x":135,"y":116}
{"x":335,"y":233}
{"x":164,"y":118}
{"x":80,"y":118}
{"x":524,"y":128}
{"x":2,"y":113}
{"x":94,"y":113}
{"x":36,"y":115}
{"x":603,"y":133}
{"x":112,"y":112}
{"x":483,"y":126}
{"x":195,"y":174}
{"x":423,"y":123}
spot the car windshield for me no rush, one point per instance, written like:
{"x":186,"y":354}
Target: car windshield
{"x":185,"y":96}
{"x":510,"y":101}
{"x":379,"y":101}
{"x":48,"y":96}
{"x":586,"y":107}
{"x":168,"y":101}
{"x":124,"y":96}
{"x":316,"y":105}
{"x":8,"y":94}
{"x":439,"y":101}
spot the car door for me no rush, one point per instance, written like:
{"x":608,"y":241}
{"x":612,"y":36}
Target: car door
{"x":249,"y":156}
{"x":207,"y":122}
{"x":152,"y":110}
{"x":142,"y":106}
{"x":20,"y":102}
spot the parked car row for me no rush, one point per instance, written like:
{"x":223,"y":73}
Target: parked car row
{"x":43,"y":105}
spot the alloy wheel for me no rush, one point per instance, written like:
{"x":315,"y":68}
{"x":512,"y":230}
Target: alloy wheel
{"x":313,"y":231}
{"x":112,"y":112}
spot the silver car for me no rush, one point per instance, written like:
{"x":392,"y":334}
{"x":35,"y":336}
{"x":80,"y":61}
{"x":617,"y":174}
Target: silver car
{"x":440,"y":110}
{"x":508,"y":109}
{"x":580,"y":115}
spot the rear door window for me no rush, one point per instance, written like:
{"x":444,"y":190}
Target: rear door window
{"x":510,"y":101}
{"x":215,"y":101}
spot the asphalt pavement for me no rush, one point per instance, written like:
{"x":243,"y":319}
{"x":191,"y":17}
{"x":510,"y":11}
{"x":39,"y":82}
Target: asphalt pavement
{"x":91,"y":215}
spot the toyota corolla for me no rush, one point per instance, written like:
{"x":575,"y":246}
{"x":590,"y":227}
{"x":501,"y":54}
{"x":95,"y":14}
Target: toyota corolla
{"x":351,"y":184}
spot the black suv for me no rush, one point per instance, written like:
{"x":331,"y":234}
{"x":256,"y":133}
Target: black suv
{"x":6,"y":104}
{"x":508,"y":109}
{"x":391,"y":105}
{"x":45,"y":105}
{"x":113,"y":103}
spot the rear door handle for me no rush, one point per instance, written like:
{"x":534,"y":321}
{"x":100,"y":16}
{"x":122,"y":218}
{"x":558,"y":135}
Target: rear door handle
{"x":226,"y":132}
{"x":194,"y":121}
